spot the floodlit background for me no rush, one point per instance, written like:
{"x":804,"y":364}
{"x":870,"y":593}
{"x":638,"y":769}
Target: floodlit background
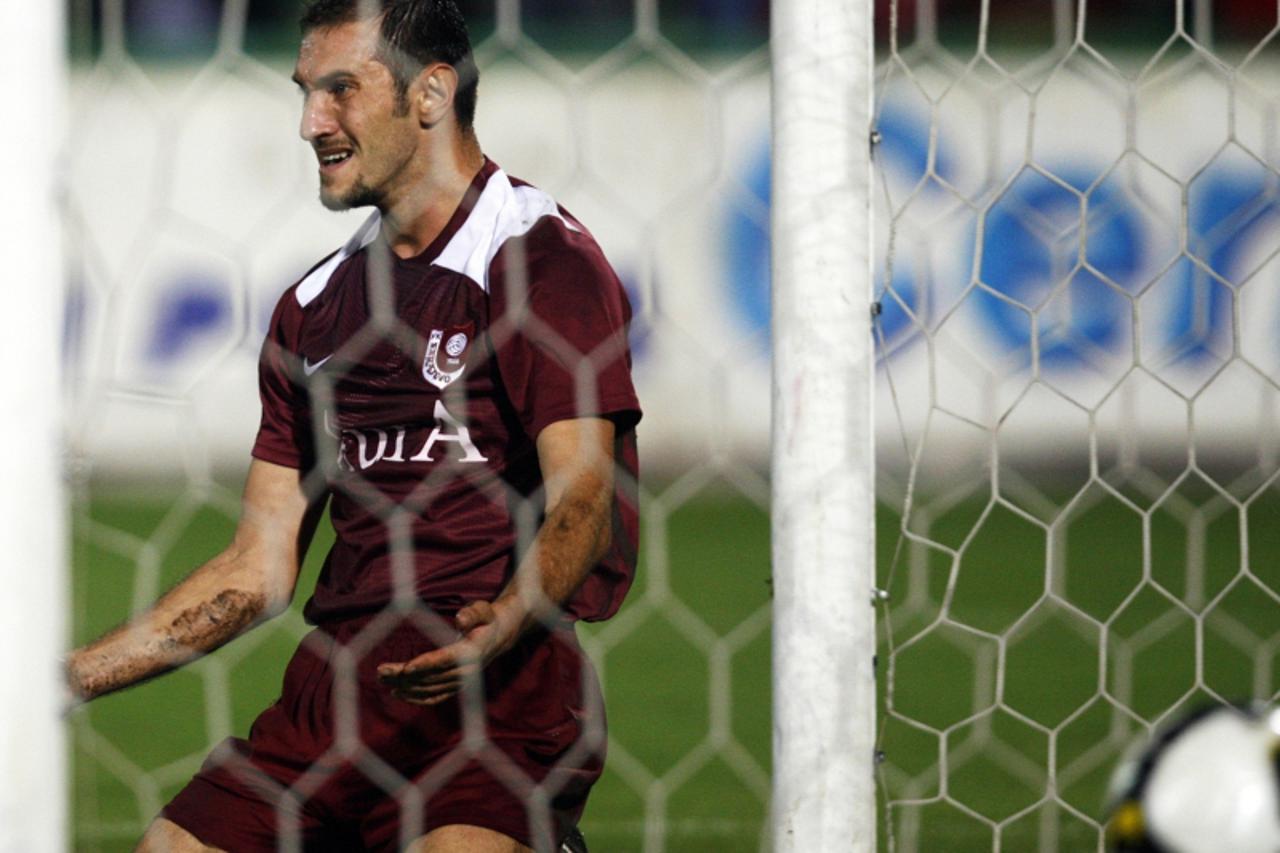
{"x":1078,"y":418}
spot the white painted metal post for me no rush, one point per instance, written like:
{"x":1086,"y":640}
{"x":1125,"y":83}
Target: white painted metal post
{"x":32,"y":508}
{"x":823,"y":443}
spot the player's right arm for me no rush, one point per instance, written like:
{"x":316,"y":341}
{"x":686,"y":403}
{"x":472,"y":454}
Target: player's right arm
{"x":248,"y":583}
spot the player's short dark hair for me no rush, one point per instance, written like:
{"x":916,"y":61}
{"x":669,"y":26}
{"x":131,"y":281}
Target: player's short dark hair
{"x":415,"y":33}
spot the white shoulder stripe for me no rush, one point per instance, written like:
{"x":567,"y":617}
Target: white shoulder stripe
{"x":502,"y":212}
{"x":314,"y":284}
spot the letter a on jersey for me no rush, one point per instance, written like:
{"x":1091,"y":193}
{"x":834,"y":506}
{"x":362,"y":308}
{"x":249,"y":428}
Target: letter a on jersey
{"x":446,"y":354}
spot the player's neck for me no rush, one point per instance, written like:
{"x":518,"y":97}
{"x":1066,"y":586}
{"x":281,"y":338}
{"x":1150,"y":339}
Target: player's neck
{"x":413,"y":220}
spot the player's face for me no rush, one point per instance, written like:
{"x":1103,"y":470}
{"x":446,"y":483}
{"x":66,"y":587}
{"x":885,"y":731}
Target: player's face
{"x":364,"y":136}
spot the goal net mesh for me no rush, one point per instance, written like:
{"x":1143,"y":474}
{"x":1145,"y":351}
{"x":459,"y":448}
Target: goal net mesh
{"x":1078,"y":405}
{"x":1077,"y":225}
{"x":190,"y":207}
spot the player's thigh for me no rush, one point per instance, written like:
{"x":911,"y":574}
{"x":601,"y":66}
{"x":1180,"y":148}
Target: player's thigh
{"x":165,"y":836}
{"x":461,"y":838}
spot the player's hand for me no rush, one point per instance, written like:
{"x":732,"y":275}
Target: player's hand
{"x":487,"y":631}
{"x":70,"y":699}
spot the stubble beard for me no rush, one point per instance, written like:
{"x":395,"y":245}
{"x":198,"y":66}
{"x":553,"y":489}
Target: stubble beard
{"x":359,"y":194}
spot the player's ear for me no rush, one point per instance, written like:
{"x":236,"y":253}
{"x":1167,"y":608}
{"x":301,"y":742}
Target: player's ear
{"x":434,"y":91}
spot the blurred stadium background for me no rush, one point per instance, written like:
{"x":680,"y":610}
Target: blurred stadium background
{"x":1079,"y":416}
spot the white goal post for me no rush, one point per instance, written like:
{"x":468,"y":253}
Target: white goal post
{"x":823,"y":449}
{"x":32,"y":508}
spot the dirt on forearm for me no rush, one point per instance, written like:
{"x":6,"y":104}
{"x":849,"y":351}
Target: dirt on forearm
{"x":195,"y":630}
{"x":212,"y":623}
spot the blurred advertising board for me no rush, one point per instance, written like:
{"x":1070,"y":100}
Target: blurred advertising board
{"x":1084,"y":254}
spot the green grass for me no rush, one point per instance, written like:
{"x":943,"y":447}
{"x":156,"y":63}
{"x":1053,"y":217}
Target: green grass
{"x":134,"y":750}
{"x":1089,"y":652}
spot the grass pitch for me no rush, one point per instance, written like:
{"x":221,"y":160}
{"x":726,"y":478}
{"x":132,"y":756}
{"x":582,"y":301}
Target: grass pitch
{"x":1019,"y":652}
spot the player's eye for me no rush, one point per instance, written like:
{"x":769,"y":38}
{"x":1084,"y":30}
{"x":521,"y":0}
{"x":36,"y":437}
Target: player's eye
{"x":341,"y":89}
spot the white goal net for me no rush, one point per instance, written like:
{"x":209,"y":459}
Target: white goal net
{"x":1078,"y":388}
{"x":1076,"y":229}
{"x":190,"y":206}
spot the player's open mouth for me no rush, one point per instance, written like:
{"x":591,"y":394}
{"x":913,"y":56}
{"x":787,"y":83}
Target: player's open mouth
{"x":333,"y":159}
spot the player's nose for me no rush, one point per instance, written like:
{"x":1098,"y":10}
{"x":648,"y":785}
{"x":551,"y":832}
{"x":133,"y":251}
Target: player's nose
{"x":317,"y":120}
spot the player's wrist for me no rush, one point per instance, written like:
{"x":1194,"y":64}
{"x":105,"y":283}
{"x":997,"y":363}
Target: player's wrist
{"x":509,"y":609}
{"x":513,"y":614}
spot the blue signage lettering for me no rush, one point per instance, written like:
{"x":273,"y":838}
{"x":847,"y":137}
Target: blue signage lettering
{"x":1031,"y":268}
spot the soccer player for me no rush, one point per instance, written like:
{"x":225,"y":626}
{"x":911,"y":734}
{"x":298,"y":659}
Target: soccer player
{"x":455,"y":383}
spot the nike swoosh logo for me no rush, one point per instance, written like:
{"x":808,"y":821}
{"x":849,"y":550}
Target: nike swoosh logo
{"x":309,"y":368}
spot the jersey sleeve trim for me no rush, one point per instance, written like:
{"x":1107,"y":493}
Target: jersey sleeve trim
{"x":623,"y":409}
{"x":276,"y":456}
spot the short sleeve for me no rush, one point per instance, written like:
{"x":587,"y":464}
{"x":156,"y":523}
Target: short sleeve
{"x":559,"y":329}
{"x":284,"y":434}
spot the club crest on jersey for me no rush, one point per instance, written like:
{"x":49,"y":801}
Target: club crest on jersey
{"x":446,"y":351}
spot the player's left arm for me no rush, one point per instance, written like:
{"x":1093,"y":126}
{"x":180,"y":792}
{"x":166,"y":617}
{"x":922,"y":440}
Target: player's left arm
{"x":576,"y":457}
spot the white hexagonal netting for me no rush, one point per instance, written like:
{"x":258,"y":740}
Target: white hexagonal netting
{"x":1077,"y":210}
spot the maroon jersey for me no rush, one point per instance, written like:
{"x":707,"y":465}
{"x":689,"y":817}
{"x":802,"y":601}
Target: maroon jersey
{"x":417,"y":387}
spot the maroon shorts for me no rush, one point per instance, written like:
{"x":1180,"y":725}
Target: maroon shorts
{"x":337,"y":763}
